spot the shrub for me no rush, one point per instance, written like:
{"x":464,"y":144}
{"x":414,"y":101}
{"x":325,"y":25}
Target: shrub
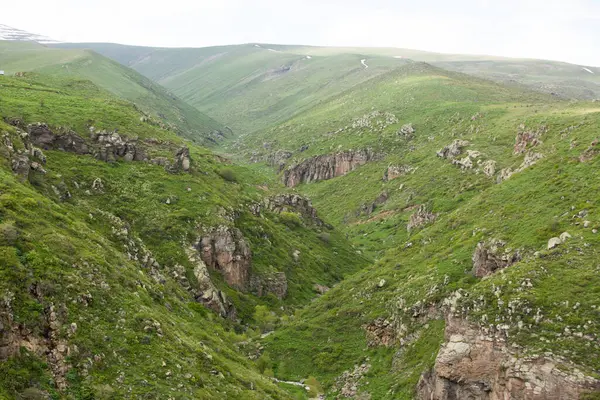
{"x":290,"y":219}
{"x":228,"y":175}
{"x":314,"y":385}
{"x":8,"y":234}
{"x":264,"y":363}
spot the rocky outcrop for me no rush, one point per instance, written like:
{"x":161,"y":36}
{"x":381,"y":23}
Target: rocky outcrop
{"x":369,"y":208}
{"x":453,"y":150}
{"x":40,"y":135}
{"x":51,"y":346}
{"x":182,"y":161}
{"x":225,"y":250}
{"x":380,"y":332}
{"x":492,"y":256}
{"x":529,"y":160}
{"x":321,"y":289}
{"x":289,"y":202}
{"x":110,"y":146}
{"x":527,"y":138}
{"x":489,"y":168}
{"x":327,"y":166}
{"x":348,"y":383}
{"x":278,"y":159}
{"x":407,"y":131}
{"x":394,"y":171}
{"x":274,"y":283}
{"x":205,"y":291}
{"x":592,"y":151}
{"x":420,"y":218}
{"x":473,"y":365}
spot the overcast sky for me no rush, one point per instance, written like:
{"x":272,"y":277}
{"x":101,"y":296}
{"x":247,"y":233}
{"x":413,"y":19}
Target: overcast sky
{"x":567,"y":30}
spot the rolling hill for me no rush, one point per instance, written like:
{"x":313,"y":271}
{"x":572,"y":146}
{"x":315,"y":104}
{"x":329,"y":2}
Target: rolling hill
{"x":159,"y":105}
{"x":253,"y":86}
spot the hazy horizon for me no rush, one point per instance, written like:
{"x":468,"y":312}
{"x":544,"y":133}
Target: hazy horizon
{"x":550,"y":30}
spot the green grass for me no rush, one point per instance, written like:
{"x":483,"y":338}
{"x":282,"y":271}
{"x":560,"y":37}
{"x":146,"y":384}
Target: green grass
{"x":71,"y":251}
{"x":125,"y":83}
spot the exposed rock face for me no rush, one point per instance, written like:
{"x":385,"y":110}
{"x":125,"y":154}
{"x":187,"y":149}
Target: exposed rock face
{"x":472,"y":365}
{"x":50,"y":346}
{"x":528,"y":138}
{"x":395,"y":171}
{"x":182,"y":160}
{"x":489,"y":168}
{"x":40,"y":135}
{"x":289,"y":202}
{"x":491,"y":257}
{"x":278,"y":159}
{"x":420,"y":218}
{"x":349,"y":381}
{"x":454,"y":149}
{"x":275,"y":283}
{"x":206,"y":292}
{"x":380,"y":332}
{"x":111,"y":147}
{"x":327,"y":166}
{"x":225,"y":250}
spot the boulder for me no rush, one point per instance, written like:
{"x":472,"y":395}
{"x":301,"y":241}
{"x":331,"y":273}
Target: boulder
{"x":453,"y":150}
{"x":553,"y":242}
{"x":491,"y":257}
{"x":394,"y":171}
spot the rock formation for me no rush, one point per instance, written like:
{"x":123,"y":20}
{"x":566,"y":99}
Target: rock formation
{"x":420,"y":218}
{"x":367,"y":209}
{"x":182,"y":160}
{"x":454,"y":149}
{"x":395,"y":171}
{"x":491,"y":257}
{"x":472,"y":365}
{"x":274,"y":283}
{"x":327,"y":166}
{"x":289,"y":202}
{"x":528,"y":138}
{"x":225,"y":250}
{"x":380,"y":332}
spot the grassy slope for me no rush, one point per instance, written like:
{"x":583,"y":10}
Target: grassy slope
{"x":110,"y":75}
{"x":68,"y":249}
{"x":525,"y":211}
{"x":240,"y":85}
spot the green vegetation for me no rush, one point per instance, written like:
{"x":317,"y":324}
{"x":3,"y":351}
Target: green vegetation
{"x":66,"y":245}
{"x":159,"y":105}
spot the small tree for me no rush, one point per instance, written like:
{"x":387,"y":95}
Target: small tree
{"x":264,"y":318}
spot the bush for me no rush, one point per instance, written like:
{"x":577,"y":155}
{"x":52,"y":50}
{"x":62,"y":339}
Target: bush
{"x":228,"y":175}
{"x":314,"y":385}
{"x":264,"y":363}
{"x":290,"y":219}
{"x":325,"y":237}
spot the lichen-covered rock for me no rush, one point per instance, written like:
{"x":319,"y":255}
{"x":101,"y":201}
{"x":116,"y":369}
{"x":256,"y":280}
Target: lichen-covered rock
{"x":471,"y":365}
{"x":489,"y":167}
{"x":225,"y":250}
{"x":110,"y":146}
{"x":380,"y":332}
{"x":289,"y":202}
{"x":394,"y":171}
{"x":527,"y":138}
{"x":453,"y":150}
{"x":327,"y":166}
{"x":206,"y":292}
{"x":274,"y":283}
{"x":278,"y":159}
{"x":420,"y":218}
{"x":491,"y":257}
{"x":42,"y":136}
{"x":182,"y":161}
{"x":407,"y":131}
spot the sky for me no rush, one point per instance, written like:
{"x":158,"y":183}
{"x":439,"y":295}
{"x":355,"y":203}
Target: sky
{"x":565,"y":30}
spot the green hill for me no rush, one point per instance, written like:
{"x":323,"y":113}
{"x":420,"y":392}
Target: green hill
{"x":121,"y":243}
{"x":155,"y":101}
{"x":519,"y":174}
{"x":251,"y":87}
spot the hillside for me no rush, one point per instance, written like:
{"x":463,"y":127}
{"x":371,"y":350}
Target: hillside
{"x":460,"y":188}
{"x":152,"y":99}
{"x":136,"y":264}
{"x":251,"y":87}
